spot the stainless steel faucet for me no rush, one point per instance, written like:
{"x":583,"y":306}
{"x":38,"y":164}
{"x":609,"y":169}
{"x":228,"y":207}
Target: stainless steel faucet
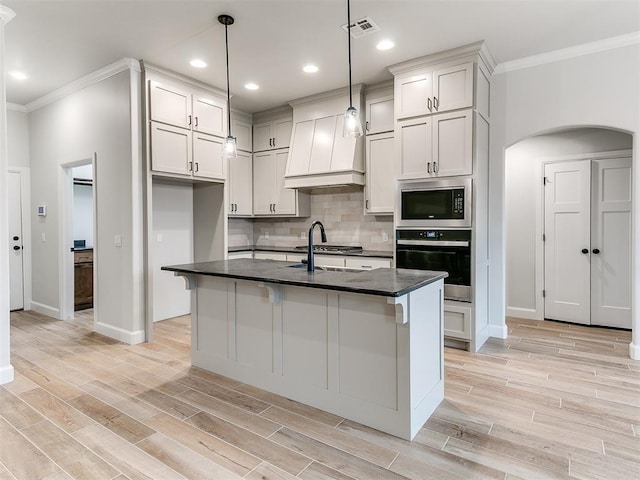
{"x":310,"y":263}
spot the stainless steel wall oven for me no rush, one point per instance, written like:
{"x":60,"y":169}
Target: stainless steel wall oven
{"x":443,"y":250}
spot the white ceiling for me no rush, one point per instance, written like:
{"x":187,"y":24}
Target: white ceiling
{"x":56,"y":42}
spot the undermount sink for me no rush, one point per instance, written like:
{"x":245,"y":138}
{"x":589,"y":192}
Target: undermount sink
{"x":327,"y":269}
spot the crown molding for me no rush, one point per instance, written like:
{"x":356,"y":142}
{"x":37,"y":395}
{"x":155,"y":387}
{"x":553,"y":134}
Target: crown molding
{"x":17,"y":108}
{"x":454,"y":54}
{"x":568,"y":53}
{"x":6,"y":14}
{"x":84,"y":82}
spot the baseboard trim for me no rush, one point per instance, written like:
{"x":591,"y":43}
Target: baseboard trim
{"x":117,"y":333}
{"x":45,"y":309}
{"x":634,"y":351}
{"x":6,"y":374}
{"x":528,"y":313}
{"x":498,"y":331}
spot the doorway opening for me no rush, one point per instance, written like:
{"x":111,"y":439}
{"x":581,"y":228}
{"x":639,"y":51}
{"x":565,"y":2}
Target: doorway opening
{"x":585,"y":204}
{"x":78,"y":238}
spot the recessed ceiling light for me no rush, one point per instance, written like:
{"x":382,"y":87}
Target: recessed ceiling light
{"x":385,"y":45}
{"x":18,"y":75}
{"x":310,"y":68}
{"x":251,"y":86}
{"x":196,"y":62}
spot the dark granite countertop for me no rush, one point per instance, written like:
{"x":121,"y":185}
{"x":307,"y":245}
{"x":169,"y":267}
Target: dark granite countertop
{"x":261,"y":248}
{"x":387,"y":282}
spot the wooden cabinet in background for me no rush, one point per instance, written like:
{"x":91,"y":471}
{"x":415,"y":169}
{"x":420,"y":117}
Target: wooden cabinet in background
{"x":83,"y":279}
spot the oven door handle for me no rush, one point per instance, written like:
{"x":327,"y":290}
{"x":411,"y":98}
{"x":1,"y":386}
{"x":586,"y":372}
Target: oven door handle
{"x":434,"y":243}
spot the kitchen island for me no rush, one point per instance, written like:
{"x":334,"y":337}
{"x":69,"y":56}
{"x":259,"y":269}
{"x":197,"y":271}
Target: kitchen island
{"x":364,"y":345}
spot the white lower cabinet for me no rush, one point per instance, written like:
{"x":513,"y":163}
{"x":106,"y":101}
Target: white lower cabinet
{"x":457,"y":320}
{"x":234,"y":255}
{"x":270,"y":256}
{"x":367,"y":263}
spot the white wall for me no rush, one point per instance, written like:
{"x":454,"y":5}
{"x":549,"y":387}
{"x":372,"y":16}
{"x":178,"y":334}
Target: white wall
{"x":172,"y":244}
{"x":97,"y":119}
{"x":18,"y":138}
{"x":522,"y":188}
{"x":598,"y":89}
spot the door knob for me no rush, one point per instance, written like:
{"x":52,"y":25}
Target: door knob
{"x":596,"y":251}
{"x":16,"y":247}
{"x":16,"y":238}
{"x":585,"y":250}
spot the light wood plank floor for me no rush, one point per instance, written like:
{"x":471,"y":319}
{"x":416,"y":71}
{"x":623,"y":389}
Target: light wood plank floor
{"x":551,"y":401}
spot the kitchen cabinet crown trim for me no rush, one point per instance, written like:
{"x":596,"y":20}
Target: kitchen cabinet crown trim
{"x":276,"y":113}
{"x":151,"y":71}
{"x":454,"y":55}
{"x":356,"y":90}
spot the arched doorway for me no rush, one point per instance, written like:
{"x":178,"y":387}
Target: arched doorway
{"x":526,"y":278}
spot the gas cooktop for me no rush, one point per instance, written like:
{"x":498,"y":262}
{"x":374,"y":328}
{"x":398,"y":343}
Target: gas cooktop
{"x":331,"y":248}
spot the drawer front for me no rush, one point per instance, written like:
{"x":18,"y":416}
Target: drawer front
{"x":457,"y":321}
{"x":84,"y":256}
{"x":367,"y":263}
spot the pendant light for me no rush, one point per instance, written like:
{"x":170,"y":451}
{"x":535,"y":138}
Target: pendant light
{"x":229,"y":149}
{"x":351,"y":127}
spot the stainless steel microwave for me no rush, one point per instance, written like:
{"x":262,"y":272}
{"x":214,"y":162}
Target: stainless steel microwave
{"x":435,"y":203}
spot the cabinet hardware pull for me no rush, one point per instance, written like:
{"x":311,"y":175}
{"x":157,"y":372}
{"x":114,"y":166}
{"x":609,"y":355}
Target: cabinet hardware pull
{"x":189,"y":122}
{"x":274,"y":141}
{"x":585,"y":250}
{"x":436,"y":103}
{"x":16,"y":247}
{"x":271,"y":142}
{"x":274,"y":208}
{"x":596,"y":251}
{"x":435,"y":167}
{"x":196,"y":119}
{"x":428,"y":167}
{"x":429,"y":103}
{"x":196,"y":167}
{"x":366,"y":126}
{"x":366,"y":204}
{"x":190,"y":168}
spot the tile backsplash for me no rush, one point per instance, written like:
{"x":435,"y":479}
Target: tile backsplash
{"x":341,"y":211}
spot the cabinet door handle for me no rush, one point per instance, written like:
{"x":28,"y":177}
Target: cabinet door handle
{"x":189,"y":117}
{"x":196,"y":167}
{"x":271,"y":142}
{"x":274,"y":141}
{"x":429,"y":103}
{"x":274,"y":208}
{"x":596,"y":251}
{"x":366,"y":204}
{"x":190,"y":167}
{"x":196,"y":119}
{"x":435,"y":167}
{"x":428,"y":167}
{"x":366,"y":126}
{"x":436,"y":103}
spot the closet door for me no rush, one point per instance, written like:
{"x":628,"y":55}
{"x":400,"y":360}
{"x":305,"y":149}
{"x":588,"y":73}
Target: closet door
{"x":567,"y":219}
{"x":611,"y":238}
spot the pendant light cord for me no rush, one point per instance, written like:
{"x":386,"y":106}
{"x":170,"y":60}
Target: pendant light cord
{"x":349,"y":42}
{"x":226,"y":42}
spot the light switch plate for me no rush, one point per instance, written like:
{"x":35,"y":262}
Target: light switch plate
{"x":117,"y":240}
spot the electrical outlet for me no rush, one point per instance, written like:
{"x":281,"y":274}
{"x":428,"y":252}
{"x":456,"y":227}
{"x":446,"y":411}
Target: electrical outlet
{"x":44,"y":237}
{"x":385,"y":237}
{"x":117,"y":240}
{"x":303,"y":235}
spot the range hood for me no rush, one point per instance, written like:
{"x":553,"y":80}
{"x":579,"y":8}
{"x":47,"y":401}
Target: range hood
{"x":318,"y":154}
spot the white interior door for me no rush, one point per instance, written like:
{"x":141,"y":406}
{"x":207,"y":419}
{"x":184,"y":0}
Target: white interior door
{"x":16,"y":268}
{"x":567,"y":222}
{"x":611,"y":239}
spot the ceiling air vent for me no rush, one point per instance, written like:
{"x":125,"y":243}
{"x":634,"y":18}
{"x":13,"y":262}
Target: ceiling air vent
{"x":362,"y":27}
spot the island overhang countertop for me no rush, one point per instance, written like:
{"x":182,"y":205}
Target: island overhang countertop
{"x":386,"y":282}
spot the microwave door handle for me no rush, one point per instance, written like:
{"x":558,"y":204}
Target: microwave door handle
{"x":435,"y":243}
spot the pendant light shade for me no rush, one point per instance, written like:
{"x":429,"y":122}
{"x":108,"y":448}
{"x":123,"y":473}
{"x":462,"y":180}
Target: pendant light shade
{"x":352,"y":127}
{"x":229,"y":149}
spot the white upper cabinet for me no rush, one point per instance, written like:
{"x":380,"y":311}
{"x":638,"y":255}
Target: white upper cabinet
{"x":380,"y":175}
{"x":185,"y":108}
{"x":435,"y":146}
{"x":379,"y":115}
{"x":271,"y":135}
{"x":209,"y":115}
{"x":428,"y":91}
{"x":242,"y":130}
{"x":186,"y":130}
{"x":241,"y":185}
{"x":169,"y":104}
